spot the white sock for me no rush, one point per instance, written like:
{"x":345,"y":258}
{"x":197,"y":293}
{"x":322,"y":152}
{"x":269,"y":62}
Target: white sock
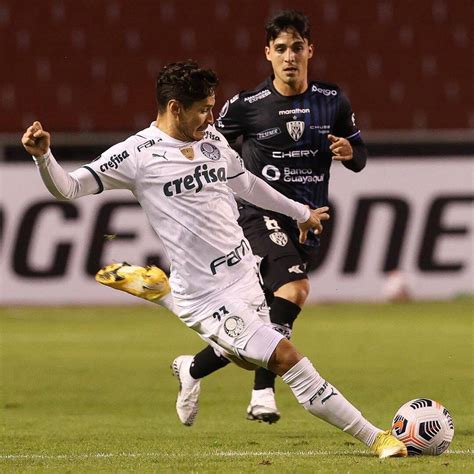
{"x":323,"y":400}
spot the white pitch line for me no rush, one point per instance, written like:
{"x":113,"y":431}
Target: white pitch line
{"x":231,"y":454}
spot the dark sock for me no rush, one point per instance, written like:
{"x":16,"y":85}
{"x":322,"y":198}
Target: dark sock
{"x":283,"y":313}
{"x":206,"y":362}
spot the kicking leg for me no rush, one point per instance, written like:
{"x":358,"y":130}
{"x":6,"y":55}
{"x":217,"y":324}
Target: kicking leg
{"x":323,"y":400}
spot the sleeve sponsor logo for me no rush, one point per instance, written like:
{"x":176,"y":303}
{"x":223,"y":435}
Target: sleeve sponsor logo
{"x":326,"y":92}
{"x":266,"y":134}
{"x":254,"y":98}
{"x":210,"y":151}
{"x":114,"y":161}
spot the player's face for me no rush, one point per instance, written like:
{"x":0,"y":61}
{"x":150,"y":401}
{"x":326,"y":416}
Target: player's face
{"x":289,"y":54}
{"x":194,"y":120}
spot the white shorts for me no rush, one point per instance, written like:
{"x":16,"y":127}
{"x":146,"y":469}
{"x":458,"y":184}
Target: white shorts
{"x":234,"y":321}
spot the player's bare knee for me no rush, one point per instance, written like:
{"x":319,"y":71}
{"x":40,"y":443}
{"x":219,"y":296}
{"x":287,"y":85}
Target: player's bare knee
{"x":284,"y":357}
{"x":294,"y":291}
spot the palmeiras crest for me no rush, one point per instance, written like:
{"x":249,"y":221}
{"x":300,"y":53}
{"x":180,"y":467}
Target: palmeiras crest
{"x":295,"y":129}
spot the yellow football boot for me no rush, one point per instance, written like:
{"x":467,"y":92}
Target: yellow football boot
{"x":386,"y":446}
{"x":149,"y":283}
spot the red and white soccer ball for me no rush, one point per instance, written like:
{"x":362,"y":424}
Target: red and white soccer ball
{"x":425,"y":426}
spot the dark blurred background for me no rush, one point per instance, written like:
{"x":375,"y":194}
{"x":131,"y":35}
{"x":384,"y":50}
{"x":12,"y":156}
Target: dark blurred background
{"x":91,"y":65}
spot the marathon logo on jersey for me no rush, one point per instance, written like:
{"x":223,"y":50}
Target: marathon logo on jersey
{"x":301,"y":175}
{"x":210,"y":151}
{"x":295,"y":154}
{"x":114,"y":161}
{"x":254,"y":98}
{"x":293,"y":111}
{"x":266,"y":134}
{"x":326,"y":92}
{"x":202,"y":175}
{"x":295,"y":129}
{"x":232,"y":258}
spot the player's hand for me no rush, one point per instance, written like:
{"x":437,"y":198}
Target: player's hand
{"x":36,"y":140}
{"x":314,"y":222}
{"x":341,"y":148}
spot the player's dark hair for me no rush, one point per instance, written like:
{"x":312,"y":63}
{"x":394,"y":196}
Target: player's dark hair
{"x":288,"y":19}
{"x":185,"y":82}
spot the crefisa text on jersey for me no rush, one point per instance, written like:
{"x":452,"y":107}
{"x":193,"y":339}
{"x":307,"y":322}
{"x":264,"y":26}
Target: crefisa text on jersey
{"x":114,"y":161}
{"x":194,"y":181}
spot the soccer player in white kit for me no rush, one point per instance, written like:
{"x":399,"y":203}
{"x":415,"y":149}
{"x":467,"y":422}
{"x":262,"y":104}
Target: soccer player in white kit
{"x":183,"y":173}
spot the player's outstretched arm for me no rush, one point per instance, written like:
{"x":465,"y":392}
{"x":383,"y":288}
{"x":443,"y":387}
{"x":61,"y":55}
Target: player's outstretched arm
{"x":314,"y":222}
{"x":36,"y":140}
{"x":62,"y":185}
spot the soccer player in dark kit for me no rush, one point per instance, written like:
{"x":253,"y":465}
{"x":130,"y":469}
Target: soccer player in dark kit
{"x":291,"y":130}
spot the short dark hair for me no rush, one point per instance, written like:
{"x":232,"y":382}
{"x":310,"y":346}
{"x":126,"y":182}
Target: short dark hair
{"x":185,"y":82}
{"x":288,"y":19}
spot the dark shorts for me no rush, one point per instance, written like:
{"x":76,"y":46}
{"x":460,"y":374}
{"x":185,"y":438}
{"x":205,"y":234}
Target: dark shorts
{"x":274,"y":238}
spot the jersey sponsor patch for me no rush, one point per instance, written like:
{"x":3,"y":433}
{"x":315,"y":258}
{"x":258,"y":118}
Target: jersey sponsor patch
{"x":259,"y":96}
{"x":271,"y":132}
{"x":279,"y":238}
{"x":210,"y":151}
{"x":271,"y":173}
{"x":295,"y":129}
{"x":233,"y":326}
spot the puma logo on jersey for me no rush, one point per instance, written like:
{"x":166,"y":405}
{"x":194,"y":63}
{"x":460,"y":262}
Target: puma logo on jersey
{"x":202,"y":174}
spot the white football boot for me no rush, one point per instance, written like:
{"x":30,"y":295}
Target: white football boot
{"x":263,"y":406}
{"x":187,"y":402}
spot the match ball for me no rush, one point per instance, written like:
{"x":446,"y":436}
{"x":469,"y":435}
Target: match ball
{"x":425,"y":426}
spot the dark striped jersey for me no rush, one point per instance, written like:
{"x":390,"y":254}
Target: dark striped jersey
{"x":284,"y":138}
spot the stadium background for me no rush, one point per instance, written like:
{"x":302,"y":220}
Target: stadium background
{"x":86,"y":69}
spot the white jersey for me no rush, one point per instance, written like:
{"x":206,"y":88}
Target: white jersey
{"x":182,"y":187}
{"x":185,"y":190}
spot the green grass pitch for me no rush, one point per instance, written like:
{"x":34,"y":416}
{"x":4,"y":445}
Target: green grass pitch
{"x":90,"y":390}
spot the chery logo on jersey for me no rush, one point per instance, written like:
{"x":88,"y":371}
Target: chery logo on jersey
{"x":114,"y":161}
{"x":295,"y":154}
{"x":195,"y":181}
